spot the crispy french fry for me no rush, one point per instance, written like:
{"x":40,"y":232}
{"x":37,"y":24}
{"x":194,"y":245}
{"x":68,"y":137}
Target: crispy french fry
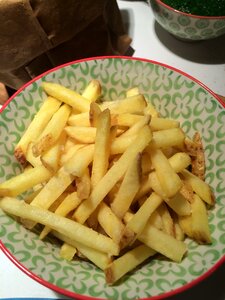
{"x":102,"y":148}
{"x":169,"y":180}
{"x":24,"y":181}
{"x":73,"y":230}
{"x":140,"y":218}
{"x":112,"y":176}
{"x":199,"y":186}
{"x":127,"y":262}
{"x":67,"y":251}
{"x":68,"y":96}
{"x":128,"y":189}
{"x":52,"y":131}
{"x":41,"y":119}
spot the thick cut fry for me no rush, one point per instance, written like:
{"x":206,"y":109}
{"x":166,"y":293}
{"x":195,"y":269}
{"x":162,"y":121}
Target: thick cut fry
{"x":134,"y":104}
{"x":51,"y":158}
{"x":79,"y":161}
{"x":94,"y":113}
{"x":113,"y":175}
{"x":102,"y":148}
{"x":133,"y":130}
{"x":69,"y":203}
{"x":168,"y":226}
{"x":52,"y":131}
{"x":199,"y":186}
{"x":69,"y":152}
{"x":126,"y":119}
{"x":163,"y":124}
{"x":128,"y":188}
{"x":92,"y":91}
{"x":150,"y":110}
{"x":168,"y":138}
{"x":67,"y":96}
{"x":41,"y":119}
{"x":169,"y":180}
{"x":83,"y":185}
{"x":179,"y":204}
{"x":81,"y":119}
{"x":53,"y":189}
{"x":120,"y":144}
{"x":180,"y":161}
{"x":99,"y":258}
{"x":71,"y":229}
{"x":34,"y":161}
{"x":160,"y":241}
{"x":132,"y":91}
{"x":67,"y":251}
{"x":24,"y":181}
{"x":85,"y":135}
{"x":111,"y":224}
{"x":127,"y":262}
{"x":140,"y":218}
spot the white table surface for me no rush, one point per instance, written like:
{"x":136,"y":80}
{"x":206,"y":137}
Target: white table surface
{"x":203,"y":60}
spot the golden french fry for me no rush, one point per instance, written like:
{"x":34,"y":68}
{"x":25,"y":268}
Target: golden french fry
{"x":163,"y":124}
{"x":84,"y":135}
{"x":80,"y":119}
{"x":127,"y":262}
{"x":112,"y":176}
{"x":168,"y":226}
{"x":52,"y":131}
{"x":40,"y":120}
{"x":168,"y":138}
{"x":83,"y":185}
{"x":179,"y":204}
{"x":33,"y":160}
{"x":92,"y":91}
{"x":73,"y":230}
{"x":69,"y":152}
{"x":24,"y":181}
{"x":67,"y":251}
{"x":132,"y":91}
{"x":68,"y":96}
{"x":94,"y":113}
{"x":169,"y":180}
{"x":133,"y":130}
{"x":102,"y":148}
{"x":140,"y":218}
{"x":128,"y":188}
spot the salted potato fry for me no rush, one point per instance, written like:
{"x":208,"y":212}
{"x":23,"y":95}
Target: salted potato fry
{"x":169,"y":180}
{"x":127,"y":262}
{"x":126,"y":119}
{"x":41,"y":119}
{"x":92,"y":91}
{"x":199,"y":186}
{"x":102,"y":148}
{"x":99,"y":258}
{"x":133,"y":130}
{"x":140,"y":218}
{"x":67,"y":251}
{"x":68,"y":96}
{"x":128,"y":188}
{"x":161,"y":241}
{"x":52,"y":131}
{"x":163,"y":124}
{"x":85,"y":135}
{"x":94,"y":113}
{"x":168,"y":138}
{"x":120,"y":144}
{"x":134,"y":104}
{"x":112,"y":176}
{"x":71,"y":229}
{"x":24,"y":181}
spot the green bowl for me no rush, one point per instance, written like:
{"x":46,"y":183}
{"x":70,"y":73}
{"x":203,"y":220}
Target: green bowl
{"x":175,"y":95}
{"x":187,"y":26}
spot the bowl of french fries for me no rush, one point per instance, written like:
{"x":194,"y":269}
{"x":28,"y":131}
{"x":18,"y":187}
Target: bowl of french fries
{"x":111,"y":179}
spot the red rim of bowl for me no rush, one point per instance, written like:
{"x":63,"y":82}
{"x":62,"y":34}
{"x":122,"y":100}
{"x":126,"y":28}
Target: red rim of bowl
{"x":187,"y":14}
{"x":62,"y":291}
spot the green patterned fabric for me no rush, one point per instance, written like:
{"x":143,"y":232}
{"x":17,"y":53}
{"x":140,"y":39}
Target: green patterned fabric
{"x":175,"y":96}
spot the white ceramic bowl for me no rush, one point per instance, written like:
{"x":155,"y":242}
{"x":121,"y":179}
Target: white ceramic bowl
{"x":174,"y":94}
{"x":187,"y":26}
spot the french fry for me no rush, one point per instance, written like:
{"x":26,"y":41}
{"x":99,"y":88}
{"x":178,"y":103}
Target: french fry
{"x":99,"y":258}
{"x":169,"y":180}
{"x":168,"y":138}
{"x":84,"y":135}
{"x":112,"y":176}
{"x":68,"y":96}
{"x":163,"y":124}
{"x":120,"y":144}
{"x":40,"y":120}
{"x":94,"y":113}
{"x":80,"y":119}
{"x":132,"y":91}
{"x":133,"y":130}
{"x":168,"y":226}
{"x":134,"y":104}
{"x":33,"y":160}
{"x":140,"y":218}
{"x":24,"y":181}
{"x":67,"y":154}
{"x":52,"y":131}
{"x":79,"y":161}
{"x":102,"y":148}
{"x":199,"y":186}
{"x":128,"y":189}
{"x":73,"y":230}
{"x":179,"y":204}
{"x":127,"y":262}
{"x":83,"y":185}
{"x":67,"y":251}
{"x":160,"y":241}
{"x":68,"y":204}
{"x":92,"y":91}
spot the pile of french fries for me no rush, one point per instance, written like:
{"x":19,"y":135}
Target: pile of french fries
{"x":112,"y":180}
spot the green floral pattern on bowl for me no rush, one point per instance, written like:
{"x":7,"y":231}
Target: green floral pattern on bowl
{"x":174,"y":95}
{"x":185,"y":26}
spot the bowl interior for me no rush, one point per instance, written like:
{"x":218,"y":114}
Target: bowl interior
{"x":175,"y":95}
